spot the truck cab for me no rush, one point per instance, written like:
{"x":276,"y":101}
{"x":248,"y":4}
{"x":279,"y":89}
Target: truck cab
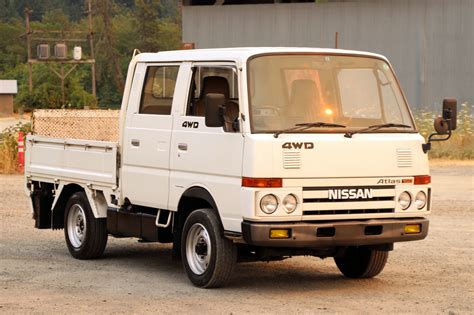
{"x":251,"y":154}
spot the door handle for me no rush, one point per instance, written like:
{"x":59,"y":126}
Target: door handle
{"x":183,"y":146}
{"x":135,"y":142}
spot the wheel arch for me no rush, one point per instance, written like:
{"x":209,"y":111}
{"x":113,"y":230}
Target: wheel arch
{"x":194,"y":198}
{"x":58,"y":208}
{"x":95,"y":198}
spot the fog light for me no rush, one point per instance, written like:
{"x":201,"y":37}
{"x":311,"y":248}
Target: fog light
{"x":280,"y":233}
{"x":420,"y":200}
{"x":404,"y":200}
{"x":413,"y":229}
{"x":269,"y":203}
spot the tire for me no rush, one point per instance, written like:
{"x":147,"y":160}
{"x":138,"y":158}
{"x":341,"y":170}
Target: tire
{"x":208,"y":258}
{"x":361,"y":262}
{"x":86,"y":236}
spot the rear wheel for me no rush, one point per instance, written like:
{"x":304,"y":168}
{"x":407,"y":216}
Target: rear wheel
{"x":362,"y":262}
{"x":86,"y":236}
{"x":208,"y":257}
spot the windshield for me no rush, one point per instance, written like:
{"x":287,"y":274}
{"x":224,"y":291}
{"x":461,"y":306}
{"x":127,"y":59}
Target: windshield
{"x":356,"y":92}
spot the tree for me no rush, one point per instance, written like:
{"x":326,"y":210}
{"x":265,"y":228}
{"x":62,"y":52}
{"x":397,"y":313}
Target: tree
{"x":104,"y":8}
{"x":119,"y":27}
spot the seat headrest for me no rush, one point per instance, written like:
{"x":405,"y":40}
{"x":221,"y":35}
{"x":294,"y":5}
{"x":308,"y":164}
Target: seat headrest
{"x":215,"y":84}
{"x":304,"y":92}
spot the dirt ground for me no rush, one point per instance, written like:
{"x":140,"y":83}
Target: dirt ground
{"x":37,"y":274}
{"x":6,"y":122}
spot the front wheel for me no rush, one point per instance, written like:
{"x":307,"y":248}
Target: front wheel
{"x":86,"y":236}
{"x":362,"y":262}
{"x":208,"y":257}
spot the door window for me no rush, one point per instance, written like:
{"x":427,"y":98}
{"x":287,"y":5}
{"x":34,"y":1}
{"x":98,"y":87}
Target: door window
{"x":158,"y":90}
{"x":207,"y":79}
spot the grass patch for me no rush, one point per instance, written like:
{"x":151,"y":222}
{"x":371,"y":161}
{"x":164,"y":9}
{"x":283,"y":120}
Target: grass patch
{"x":461,"y":144}
{"x":9,"y":148}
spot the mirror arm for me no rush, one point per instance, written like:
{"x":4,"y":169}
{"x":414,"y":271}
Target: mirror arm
{"x":427,"y":146}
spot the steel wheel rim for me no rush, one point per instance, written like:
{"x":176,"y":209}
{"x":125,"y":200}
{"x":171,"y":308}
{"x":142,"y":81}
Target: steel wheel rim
{"x":198,"y":249}
{"x":77,"y":226}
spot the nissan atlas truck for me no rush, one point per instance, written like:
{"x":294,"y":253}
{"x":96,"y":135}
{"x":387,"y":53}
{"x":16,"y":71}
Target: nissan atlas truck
{"x":246,"y":154}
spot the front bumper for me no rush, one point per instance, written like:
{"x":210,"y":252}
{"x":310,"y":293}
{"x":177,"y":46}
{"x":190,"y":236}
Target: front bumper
{"x":335,"y":233}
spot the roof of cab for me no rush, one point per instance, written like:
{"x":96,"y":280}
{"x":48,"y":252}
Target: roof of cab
{"x":239,"y":53}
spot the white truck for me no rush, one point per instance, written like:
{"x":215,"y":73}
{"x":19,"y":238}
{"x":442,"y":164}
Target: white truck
{"x":246,"y":154}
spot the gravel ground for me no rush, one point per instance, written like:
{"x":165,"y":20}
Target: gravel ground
{"x":37,"y":274}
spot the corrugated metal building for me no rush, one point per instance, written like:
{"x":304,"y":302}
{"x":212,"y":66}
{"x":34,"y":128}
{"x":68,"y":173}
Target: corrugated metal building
{"x":429,"y":42}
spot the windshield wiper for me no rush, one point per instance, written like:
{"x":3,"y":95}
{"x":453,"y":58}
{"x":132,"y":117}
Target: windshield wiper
{"x":375,"y":127}
{"x":304,"y":126}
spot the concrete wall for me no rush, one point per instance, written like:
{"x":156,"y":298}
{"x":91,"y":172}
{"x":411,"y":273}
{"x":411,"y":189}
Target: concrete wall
{"x":429,"y":42}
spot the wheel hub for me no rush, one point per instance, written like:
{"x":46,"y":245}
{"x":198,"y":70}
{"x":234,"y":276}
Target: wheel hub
{"x":198,"y":248}
{"x":201,"y":247}
{"x":76,"y":225}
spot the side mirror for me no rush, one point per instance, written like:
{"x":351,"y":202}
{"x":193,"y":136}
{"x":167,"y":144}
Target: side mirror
{"x":214,"y":104}
{"x":450,"y":112}
{"x":443,"y":125}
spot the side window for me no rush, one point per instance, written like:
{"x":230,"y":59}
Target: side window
{"x":216,"y":79}
{"x":158,"y":90}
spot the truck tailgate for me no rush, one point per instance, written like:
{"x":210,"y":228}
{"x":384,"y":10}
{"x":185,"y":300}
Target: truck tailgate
{"x":81,"y":161}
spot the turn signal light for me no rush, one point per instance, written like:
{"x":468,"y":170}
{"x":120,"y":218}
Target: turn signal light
{"x":262,"y":182}
{"x":413,"y":229}
{"x":422,"y":180}
{"x":280,"y":233}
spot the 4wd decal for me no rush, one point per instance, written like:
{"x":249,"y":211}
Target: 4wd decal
{"x":190,"y":124}
{"x":298,"y":145}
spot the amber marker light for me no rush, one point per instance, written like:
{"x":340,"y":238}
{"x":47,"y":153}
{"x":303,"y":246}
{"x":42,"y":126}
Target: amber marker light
{"x":280,"y":233}
{"x":262,"y":182}
{"x":422,"y":180}
{"x":328,"y":111}
{"x":413,"y":228}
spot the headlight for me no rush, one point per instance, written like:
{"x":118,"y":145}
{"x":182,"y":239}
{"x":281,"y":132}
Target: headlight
{"x":289,"y":203}
{"x":420,"y":200}
{"x":404,"y":200}
{"x":269,"y":204}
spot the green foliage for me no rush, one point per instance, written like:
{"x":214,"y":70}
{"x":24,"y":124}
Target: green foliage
{"x":461,"y":144}
{"x":12,"y":49}
{"x":9,"y":147}
{"x":149,"y":25}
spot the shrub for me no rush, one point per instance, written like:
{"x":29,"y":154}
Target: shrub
{"x":9,"y":147}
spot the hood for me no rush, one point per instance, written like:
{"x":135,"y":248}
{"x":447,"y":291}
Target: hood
{"x":334,"y":156}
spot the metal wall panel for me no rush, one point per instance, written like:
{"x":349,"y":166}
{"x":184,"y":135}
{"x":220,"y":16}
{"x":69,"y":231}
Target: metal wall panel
{"x":429,"y":42}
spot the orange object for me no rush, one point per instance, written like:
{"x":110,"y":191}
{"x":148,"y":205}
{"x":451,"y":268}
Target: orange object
{"x":262,"y":182}
{"x":21,"y":151}
{"x":422,"y":179}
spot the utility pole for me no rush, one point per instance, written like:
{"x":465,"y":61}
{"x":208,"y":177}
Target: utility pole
{"x":28,"y":47}
{"x":58,"y":36}
{"x":91,"y":45}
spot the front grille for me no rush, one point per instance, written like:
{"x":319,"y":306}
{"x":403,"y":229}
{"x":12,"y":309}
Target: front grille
{"x":358,"y":211}
{"x":318,"y":201}
{"x":342,"y":200}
